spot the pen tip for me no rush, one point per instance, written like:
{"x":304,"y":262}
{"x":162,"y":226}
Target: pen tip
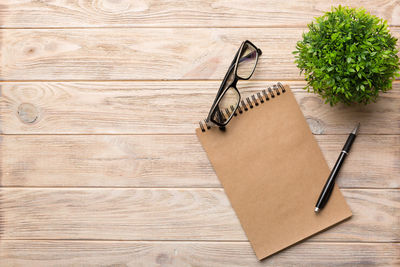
{"x":356,"y":129}
{"x":316,"y":210}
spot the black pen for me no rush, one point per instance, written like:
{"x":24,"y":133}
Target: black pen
{"x":327,"y":190}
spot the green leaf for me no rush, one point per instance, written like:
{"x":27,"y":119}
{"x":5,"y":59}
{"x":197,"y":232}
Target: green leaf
{"x":348,"y":55}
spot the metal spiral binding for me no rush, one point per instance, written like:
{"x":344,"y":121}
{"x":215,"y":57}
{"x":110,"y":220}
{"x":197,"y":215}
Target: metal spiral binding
{"x":265,"y":94}
{"x":228,"y":114}
{"x":240,"y":109}
{"x":282,"y":87}
{"x":249,"y":102}
{"x":260,"y":97}
{"x":252,"y":101}
{"x":233,"y":110}
{"x":276,"y":89}
{"x":271,"y":92}
{"x":244,"y":106}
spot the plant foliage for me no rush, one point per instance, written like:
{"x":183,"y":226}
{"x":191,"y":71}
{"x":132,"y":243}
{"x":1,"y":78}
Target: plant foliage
{"x":348,"y":55}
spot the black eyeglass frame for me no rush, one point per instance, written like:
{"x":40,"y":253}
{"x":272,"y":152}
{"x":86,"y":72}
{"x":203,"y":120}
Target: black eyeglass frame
{"x":221,"y":91}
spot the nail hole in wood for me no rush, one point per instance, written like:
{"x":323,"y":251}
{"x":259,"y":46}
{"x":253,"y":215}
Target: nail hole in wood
{"x":28,"y":113}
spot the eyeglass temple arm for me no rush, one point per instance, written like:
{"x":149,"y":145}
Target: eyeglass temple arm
{"x":231,"y":69}
{"x":227,"y":75}
{"x":221,"y":88}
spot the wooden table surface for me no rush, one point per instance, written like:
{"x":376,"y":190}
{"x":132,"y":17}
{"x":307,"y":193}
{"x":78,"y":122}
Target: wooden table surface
{"x":99,"y":161}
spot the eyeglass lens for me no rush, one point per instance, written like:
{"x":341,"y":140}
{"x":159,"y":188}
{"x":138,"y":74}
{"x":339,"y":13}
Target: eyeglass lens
{"x":229,"y":102}
{"x":247,"y":61}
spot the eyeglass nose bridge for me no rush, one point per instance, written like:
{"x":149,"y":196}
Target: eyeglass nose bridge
{"x":234,"y":83}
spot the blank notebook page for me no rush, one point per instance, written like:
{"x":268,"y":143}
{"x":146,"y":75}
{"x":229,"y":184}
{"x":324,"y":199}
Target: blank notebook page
{"x":273,"y":171}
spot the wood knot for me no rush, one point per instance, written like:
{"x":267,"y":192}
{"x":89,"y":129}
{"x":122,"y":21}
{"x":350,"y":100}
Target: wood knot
{"x":28,"y":113}
{"x":316,"y":126}
{"x":311,"y":102}
{"x":30,"y":51}
{"x":163,"y":259}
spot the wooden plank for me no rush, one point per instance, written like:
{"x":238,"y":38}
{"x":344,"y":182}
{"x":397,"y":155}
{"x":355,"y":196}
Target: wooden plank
{"x":216,"y":254}
{"x":158,"y":161}
{"x":164,"y":107}
{"x":143,"y":54}
{"x":179,"y":13}
{"x":127,"y":54}
{"x":170,"y":214}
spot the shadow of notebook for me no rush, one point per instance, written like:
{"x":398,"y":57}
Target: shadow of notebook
{"x":273,"y":171}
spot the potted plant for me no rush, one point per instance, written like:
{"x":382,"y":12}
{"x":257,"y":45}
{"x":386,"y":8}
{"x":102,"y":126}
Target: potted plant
{"x":348,"y":56}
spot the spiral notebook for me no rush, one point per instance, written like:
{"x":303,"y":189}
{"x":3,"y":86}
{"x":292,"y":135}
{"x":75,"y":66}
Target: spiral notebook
{"x":272,"y":171}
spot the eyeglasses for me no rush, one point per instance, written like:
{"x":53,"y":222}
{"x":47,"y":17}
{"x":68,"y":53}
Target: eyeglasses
{"x":228,"y":97}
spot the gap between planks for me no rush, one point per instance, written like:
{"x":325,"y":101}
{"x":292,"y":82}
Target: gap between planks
{"x":147,"y":80}
{"x":165,"y":187}
{"x":163,"y":27}
{"x":158,"y":134}
{"x":301,"y":26}
{"x":272,"y":81}
{"x":188,"y":241}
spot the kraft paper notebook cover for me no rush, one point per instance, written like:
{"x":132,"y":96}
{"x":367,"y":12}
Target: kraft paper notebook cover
{"x":273,"y":171}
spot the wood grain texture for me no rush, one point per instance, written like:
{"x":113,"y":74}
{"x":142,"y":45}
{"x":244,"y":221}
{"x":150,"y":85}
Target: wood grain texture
{"x":180,"y":13}
{"x":204,"y":254}
{"x":113,"y":114}
{"x":170,"y":214}
{"x":144,"y":54}
{"x":131,"y":54}
{"x":158,"y":161}
{"x":165,"y":107}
